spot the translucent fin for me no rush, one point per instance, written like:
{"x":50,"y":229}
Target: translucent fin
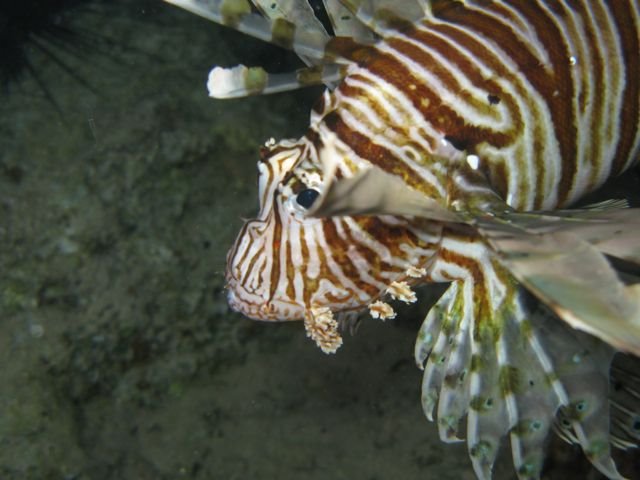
{"x":371,"y":191}
{"x":573,"y":278}
{"x":381,"y":15}
{"x":241,"y":81}
{"x":432,"y":324}
{"x":583,"y":368}
{"x":295,"y":12}
{"x":237,"y":14}
{"x":454,"y":393}
{"x":611,"y":204}
{"x":436,"y":340}
{"x":609,"y":226}
{"x":511,"y":371}
{"x":616,"y":233}
{"x":346,"y":24}
{"x":348,"y":321}
{"x":532,"y":400}
{"x":487,"y":421}
{"x":625,"y":402}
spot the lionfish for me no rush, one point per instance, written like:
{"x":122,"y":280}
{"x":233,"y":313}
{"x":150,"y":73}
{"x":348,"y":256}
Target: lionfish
{"x":448,"y":146}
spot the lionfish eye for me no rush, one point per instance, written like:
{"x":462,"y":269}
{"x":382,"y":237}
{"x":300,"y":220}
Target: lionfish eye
{"x":306,"y":197}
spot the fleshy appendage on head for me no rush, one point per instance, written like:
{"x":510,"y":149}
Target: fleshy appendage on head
{"x":286,"y":265}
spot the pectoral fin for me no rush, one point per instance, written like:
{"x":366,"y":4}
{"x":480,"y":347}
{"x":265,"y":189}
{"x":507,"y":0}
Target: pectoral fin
{"x":375,"y":192}
{"x":371,"y":191}
{"x":609,"y":226}
{"x":572,"y":277}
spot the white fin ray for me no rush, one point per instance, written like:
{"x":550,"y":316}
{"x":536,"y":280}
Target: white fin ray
{"x":608,"y":226}
{"x":431,"y":326}
{"x":442,"y":325}
{"x":241,"y":81}
{"x":454,"y":393}
{"x":237,"y":14}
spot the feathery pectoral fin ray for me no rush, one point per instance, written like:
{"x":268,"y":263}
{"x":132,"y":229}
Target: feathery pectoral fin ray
{"x":510,"y":373}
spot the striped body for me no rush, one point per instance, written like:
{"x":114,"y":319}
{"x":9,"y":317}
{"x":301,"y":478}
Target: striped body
{"x":485,"y":108}
{"x":542,"y":96}
{"x":545,"y":93}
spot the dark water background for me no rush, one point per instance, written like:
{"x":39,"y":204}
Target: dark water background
{"x":120,"y":192}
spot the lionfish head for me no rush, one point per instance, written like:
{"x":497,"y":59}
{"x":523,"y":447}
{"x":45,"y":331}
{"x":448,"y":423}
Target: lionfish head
{"x":263,"y":251}
{"x":286,"y":265}
{"x":274,"y":264}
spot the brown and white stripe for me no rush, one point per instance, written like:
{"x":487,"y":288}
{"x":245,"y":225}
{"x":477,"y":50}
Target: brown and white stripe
{"x":544,"y":93}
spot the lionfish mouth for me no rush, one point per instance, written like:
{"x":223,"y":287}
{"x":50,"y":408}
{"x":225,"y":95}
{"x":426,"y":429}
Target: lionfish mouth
{"x":258,"y":307}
